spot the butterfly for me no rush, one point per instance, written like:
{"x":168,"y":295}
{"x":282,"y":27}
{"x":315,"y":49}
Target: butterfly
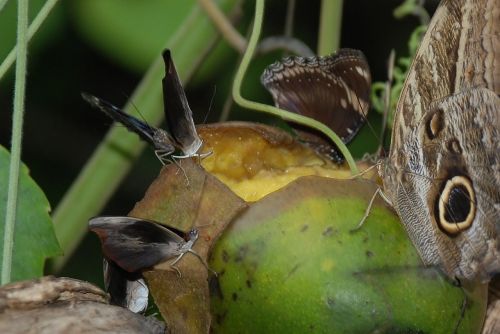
{"x":442,"y":173}
{"x":131,"y":245}
{"x":334,"y":90}
{"x":180,"y":133}
{"x":136,"y":244}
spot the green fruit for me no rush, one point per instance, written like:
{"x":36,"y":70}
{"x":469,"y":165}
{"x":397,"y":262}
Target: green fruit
{"x":292,"y":263}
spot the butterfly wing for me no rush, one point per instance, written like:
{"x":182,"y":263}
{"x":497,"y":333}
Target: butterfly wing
{"x":460,"y":50}
{"x":126,"y":289}
{"x":135,"y":244}
{"x":442,"y":173}
{"x":156,"y":137}
{"x":179,"y":116}
{"x":450,"y":203}
{"x":334,"y":90}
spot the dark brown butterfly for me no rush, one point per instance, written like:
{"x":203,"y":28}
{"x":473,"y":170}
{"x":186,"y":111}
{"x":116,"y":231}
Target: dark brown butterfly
{"x":136,"y":244}
{"x":334,"y":90}
{"x":181,"y":132}
{"x":131,"y":245}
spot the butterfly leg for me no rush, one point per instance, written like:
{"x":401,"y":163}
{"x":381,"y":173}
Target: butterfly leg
{"x":369,"y":208}
{"x":178,"y":258}
{"x":206,"y":154}
{"x":180,"y":168}
{"x":198,"y":155}
{"x":173,"y":264}
{"x":202,"y":261}
{"x":174,"y":268}
{"x":163,"y":156}
{"x":203,"y":156}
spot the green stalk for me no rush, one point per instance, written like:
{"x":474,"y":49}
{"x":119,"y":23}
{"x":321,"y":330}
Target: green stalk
{"x":330,"y":24}
{"x":114,"y":157}
{"x":286,"y":115}
{"x":17,"y":133}
{"x":2,"y":4}
{"x":33,"y":28}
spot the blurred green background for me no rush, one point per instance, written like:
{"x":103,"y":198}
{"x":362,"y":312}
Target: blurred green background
{"x":105,"y":46}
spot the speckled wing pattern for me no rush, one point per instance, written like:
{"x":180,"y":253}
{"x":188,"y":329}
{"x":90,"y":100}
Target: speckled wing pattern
{"x":460,"y":50}
{"x":442,"y":174}
{"x":334,"y":89}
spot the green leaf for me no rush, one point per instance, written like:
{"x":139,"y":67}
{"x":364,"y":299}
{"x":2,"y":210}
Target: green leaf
{"x":133,"y":34}
{"x":34,"y":238}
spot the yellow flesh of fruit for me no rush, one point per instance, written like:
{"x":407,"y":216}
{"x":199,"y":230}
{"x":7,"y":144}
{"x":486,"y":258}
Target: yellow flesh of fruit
{"x":253,"y":166}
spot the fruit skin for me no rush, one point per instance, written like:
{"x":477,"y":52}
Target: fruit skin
{"x":292,"y":264}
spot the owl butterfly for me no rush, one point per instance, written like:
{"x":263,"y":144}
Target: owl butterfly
{"x":334,"y":90}
{"x":442,"y":174}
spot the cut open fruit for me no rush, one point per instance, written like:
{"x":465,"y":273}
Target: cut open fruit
{"x":278,"y":224}
{"x":255,"y":160}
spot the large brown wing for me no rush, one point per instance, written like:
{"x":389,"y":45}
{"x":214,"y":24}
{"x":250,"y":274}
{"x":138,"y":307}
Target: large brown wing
{"x":460,"y":50}
{"x":334,"y":89}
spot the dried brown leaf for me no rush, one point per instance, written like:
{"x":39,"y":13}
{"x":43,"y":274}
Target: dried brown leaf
{"x":205,"y":204}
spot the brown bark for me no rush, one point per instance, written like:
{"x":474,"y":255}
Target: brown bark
{"x":65,"y":305}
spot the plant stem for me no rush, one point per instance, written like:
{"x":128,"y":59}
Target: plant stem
{"x":286,"y":115}
{"x":287,"y":44}
{"x":290,"y":13}
{"x":329,"y":26}
{"x":230,"y":34}
{"x":33,"y":28}
{"x":269,"y":44}
{"x":2,"y":4}
{"x":17,"y":133}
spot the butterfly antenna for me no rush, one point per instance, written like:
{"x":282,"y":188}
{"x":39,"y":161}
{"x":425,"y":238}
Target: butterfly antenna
{"x":372,"y":130}
{"x":210,"y":105}
{"x":226,"y":109}
{"x":139,"y":112}
{"x":363,"y":172}
{"x":135,"y":108}
{"x":387,"y":100}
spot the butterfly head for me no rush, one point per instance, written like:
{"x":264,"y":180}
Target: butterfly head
{"x":193,"y":235}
